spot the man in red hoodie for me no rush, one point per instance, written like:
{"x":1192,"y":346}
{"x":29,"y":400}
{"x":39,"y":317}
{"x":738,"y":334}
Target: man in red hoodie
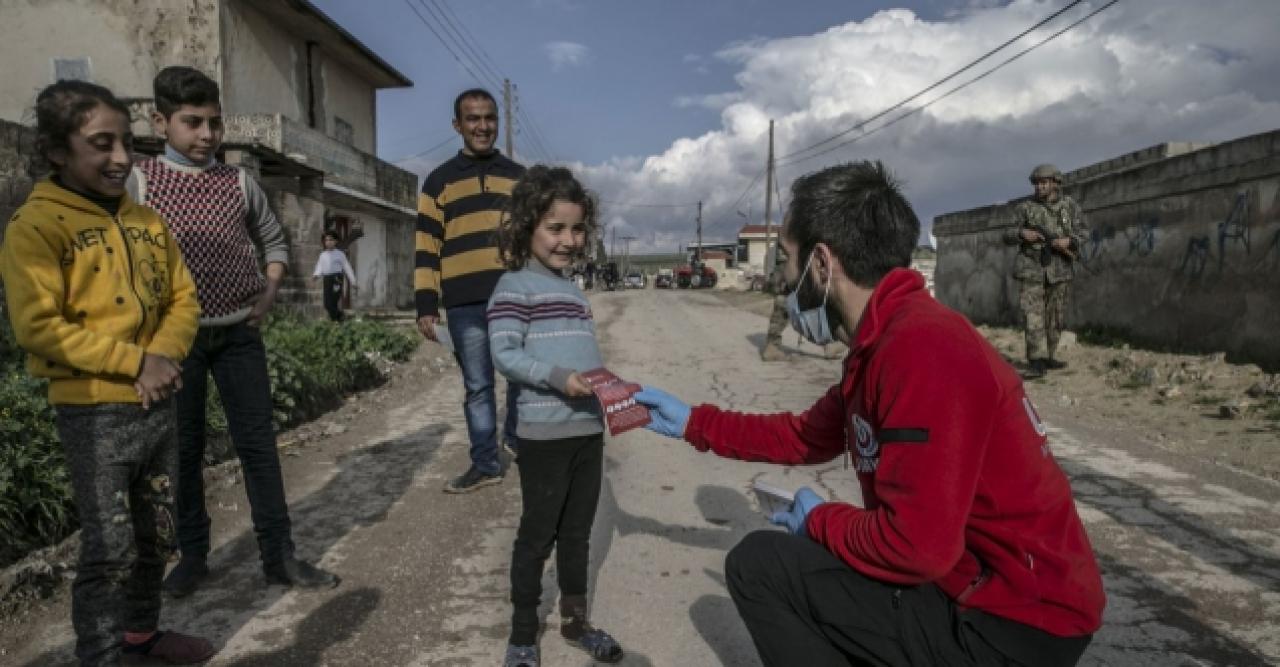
{"x":969,"y":550}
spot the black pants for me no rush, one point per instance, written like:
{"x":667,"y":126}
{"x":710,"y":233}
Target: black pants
{"x":238,"y":360}
{"x":121,"y":460}
{"x":804,"y":606}
{"x":333,"y":284}
{"x":559,"y":487}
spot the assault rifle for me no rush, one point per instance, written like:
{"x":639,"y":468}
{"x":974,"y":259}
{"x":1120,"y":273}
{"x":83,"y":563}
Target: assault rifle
{"x":1046,"y":253}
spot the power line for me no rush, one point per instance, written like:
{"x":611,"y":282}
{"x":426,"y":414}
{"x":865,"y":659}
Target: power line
{"x":421,"y":153}
{"x":473,"y":43}
{"x":952,"y":91}
{"x":941,"y":81}
{"x":453,"y":35}
{"x":622,"y":204}
{"x":442,"y":42}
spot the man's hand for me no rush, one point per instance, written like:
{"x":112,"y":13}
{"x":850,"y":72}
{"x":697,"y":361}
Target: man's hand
{"x":576,"y":386}
{"x":1031,"y":236}
{"x":427,"y":326}
{"x":668,"y":415}
{"x":795,"y":518}
{"x":158,"y":378}
{"x":1062,"y":243}
{"x":260,"y":309}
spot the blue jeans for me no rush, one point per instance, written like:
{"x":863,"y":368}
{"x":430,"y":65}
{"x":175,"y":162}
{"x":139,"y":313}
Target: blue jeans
{"x":469,"y":330}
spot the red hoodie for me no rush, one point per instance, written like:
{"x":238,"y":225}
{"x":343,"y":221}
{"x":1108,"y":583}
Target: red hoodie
{"x":960,"y":487}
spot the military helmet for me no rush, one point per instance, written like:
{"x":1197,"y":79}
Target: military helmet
{"x":1045,"y":171}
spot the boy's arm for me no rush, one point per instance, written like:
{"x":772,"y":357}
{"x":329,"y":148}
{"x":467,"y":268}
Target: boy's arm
{"x":36,"y":294}
{"x":177,"y":329}
{"x":268,"y":233}
{"x":428,"y":239}
{"x":508,"y":326}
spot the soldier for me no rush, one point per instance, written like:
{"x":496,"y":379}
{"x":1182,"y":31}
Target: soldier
{"x":772,"y":350}
{"x":776,"y":286}
{"x":1049,"y":231}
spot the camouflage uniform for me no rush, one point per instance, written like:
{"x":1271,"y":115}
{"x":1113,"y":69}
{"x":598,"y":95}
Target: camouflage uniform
{"x":121,"y":459}
{"x":778,"y":320}
{"x":1043,"y":287}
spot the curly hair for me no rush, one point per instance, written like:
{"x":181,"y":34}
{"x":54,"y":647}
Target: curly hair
{"x":532,"y":197}
{"x":62,"y":109}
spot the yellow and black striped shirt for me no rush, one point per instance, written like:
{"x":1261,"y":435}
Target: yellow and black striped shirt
{"x":456,"y":247}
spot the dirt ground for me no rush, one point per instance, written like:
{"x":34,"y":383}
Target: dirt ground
{"x":1198,"y":406}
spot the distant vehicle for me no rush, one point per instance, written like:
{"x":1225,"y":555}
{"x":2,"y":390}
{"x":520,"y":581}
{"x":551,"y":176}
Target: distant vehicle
{"x":633,"y":280}
{"x":666,"y":279}
{"x":695,"y":275}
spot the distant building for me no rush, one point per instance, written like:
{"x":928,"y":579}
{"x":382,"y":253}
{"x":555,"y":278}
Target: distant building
{"x":299,"y":101}
{"x":752,"y":245}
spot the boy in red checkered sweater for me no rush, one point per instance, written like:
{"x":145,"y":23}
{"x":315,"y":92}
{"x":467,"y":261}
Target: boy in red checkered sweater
{"x":220,"y":217}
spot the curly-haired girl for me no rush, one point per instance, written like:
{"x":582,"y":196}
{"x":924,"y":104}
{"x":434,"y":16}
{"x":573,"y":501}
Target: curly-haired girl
{"x":542,"y":337}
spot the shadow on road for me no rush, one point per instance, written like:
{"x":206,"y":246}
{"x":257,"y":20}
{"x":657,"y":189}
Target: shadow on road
{"x":367,"y":483}
{"x":331,"y":623}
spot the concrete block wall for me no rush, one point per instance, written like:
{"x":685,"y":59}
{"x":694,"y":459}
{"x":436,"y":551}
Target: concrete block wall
{"x":1184,"y":252}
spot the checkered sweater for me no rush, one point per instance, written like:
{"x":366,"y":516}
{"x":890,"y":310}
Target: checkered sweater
{"x":216,"y":213}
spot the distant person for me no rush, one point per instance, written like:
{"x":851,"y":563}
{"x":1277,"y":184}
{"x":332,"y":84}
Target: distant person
{"x":102,"y":302}
{"x":456,"y":266}
{"x":969,"y":549}
{"x":543,"y":339}
{"x":334,"y":272}
{"x":1049,"y":231}
{"x":220,"y":217}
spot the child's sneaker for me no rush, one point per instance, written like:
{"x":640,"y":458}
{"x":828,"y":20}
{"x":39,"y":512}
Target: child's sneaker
{"x":520,"y":656}
{"x":574,"y":627}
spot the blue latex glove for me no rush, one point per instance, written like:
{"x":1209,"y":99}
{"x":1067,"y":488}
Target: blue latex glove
{"x":794,"y":518}
{"x":668,"y":414}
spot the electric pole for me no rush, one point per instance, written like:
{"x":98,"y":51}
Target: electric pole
{"x":626,"y":253}
{"x":768,"y":207}
{"x":699,"y":231}
{"x":613,"y":243}
{"x":510,"y":128}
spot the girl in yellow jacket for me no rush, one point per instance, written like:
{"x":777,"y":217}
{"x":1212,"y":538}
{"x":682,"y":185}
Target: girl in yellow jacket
{"x":102,"y":302}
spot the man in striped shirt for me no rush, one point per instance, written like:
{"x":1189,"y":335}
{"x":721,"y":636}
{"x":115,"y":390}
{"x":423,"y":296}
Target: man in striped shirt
{"x":456,"y":267}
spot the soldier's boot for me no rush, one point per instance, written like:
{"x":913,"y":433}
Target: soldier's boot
{"x":1035,"y":369}
{"x":772,"y":352}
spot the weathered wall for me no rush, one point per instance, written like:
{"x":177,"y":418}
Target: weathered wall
{"x":125,"y":43}
{"x":303,"y":221}
{"x":266,"y":72}
{"x":350,"y":98}
{"x":19,"y":168}
{"x":265,"y":66}
{"x":1183,"y":252}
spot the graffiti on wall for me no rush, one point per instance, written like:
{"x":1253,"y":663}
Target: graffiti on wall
{"x":1235,"y":228}
{"x":1143,"y":241}
{"x":1196,"y":256}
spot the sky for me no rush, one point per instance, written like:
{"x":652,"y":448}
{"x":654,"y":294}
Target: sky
{"x":660,"y":104}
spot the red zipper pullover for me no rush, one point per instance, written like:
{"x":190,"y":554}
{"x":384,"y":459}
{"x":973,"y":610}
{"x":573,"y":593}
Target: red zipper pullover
{"x":960,"y":487}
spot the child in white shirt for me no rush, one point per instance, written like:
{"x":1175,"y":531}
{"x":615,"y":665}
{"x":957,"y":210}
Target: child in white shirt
{"x":335,"y":270}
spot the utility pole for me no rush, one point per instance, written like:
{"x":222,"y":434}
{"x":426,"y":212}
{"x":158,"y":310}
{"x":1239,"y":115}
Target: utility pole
{"x":506,"y":109}
{"x":626,"y":253}
{"x":769,"y":260}
{"x":699,"y":230}
{"x":613,"y":243}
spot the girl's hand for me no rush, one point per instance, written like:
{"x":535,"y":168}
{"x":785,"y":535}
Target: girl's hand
{"x":576,"y":386}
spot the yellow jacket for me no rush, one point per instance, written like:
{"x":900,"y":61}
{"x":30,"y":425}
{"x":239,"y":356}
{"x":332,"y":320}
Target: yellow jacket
{"x":88,"y":294}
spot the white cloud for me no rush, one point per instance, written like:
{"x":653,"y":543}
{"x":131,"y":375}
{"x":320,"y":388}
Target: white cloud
{"x":1138,"y":74}
{"x":566,"y":54}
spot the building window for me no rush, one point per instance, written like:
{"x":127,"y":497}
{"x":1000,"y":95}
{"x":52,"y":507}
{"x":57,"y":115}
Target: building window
{"x":342,"y":131}
{"x":69,"y":69}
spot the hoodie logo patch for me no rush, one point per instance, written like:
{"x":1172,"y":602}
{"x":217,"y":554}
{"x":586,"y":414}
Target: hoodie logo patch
{"x":865,"y":444}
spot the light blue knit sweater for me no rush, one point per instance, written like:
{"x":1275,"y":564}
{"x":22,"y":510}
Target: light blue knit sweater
{"x":541,"y":332}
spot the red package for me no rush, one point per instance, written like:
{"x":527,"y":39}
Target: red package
{"x":621,"y":412}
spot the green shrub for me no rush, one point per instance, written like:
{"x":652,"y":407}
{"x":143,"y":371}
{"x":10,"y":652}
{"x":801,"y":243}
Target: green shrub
{"x":35,"y":489}
{"x":312,"y":364}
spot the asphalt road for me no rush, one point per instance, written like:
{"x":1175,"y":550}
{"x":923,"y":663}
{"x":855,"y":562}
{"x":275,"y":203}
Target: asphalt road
{"x":1191,"y":553}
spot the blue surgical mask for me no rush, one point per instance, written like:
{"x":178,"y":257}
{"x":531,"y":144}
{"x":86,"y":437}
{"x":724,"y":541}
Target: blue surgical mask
{"x":812,"y":324}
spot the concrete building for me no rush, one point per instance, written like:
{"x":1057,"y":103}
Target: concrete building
{"x":752,"y":245}
{"x":299,"y":102}
{"x":1184,"y":250}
